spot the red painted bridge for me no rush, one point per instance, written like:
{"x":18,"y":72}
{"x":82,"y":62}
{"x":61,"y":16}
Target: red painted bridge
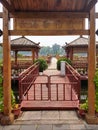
{"x":49,"y":90}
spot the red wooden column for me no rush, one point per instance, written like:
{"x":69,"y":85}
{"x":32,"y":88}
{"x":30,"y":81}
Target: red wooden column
{"x":33,"y":55}
{"x":71,"y":53}
{"x":36,"y":53}
{"x":16,"y":57}
{"x":8,"y":117}
{"x":91,"y":69}
{"x":67,"y":55}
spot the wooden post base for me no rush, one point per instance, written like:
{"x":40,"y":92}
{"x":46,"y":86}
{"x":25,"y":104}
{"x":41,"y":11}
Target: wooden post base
{"x":7,"y":120}
{"x":91,"y":119}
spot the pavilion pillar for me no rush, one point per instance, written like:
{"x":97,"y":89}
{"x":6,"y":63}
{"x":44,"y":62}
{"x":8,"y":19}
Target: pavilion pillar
{"x":71,"y":54}
{"x":67,"y":55}
{"x":8,"y":116}
{"x":16,"y":57}
{"x":90,"y":117}
{"x":33,"y":55}
{"x":36,"y":53}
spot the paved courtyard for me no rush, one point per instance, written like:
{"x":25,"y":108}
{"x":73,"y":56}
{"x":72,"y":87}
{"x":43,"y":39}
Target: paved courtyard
{"x":49,"y":120}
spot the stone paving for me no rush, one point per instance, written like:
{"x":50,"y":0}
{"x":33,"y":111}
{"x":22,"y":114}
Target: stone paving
{"x":53,"y":63}
{"x":49,"y":120}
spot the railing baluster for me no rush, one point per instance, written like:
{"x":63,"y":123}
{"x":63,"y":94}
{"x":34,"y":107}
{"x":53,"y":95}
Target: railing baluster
{"x":63,"y":92}
{"x":50,"y":91}
{"x":34,"y":92}
{"x":27,"y":96}
{"x":41,"y":92}
{"x":57,"y":91}
{"x":71,"y":91}
{"x":49,"y":88}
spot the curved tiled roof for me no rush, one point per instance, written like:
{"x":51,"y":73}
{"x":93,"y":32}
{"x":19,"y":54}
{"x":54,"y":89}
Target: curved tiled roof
{"x":23,"y":41}
{"x":81,"y":41}
{"x":23,"y":44}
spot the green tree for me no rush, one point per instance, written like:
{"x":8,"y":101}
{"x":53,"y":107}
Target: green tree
{"x":45,"y":51}
{"x":56,"y":49}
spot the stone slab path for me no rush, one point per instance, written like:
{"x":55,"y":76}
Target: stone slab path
{"x":49,"y":120}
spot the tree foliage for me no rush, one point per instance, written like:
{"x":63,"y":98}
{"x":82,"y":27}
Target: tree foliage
{"x":54,"y":50}
{"x":59,"y":62}
{"x":42,"y":64}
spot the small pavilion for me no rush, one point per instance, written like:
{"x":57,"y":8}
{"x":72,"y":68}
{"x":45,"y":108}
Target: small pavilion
{"x":24,"y":44}
{"x":77,"y":52}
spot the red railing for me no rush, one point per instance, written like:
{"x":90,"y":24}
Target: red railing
{"x":77,"y":64}
{"x":51,"y":90}
{"x":26,"y":79}
{"x":74,"y":76}
{"x":21,"y":64}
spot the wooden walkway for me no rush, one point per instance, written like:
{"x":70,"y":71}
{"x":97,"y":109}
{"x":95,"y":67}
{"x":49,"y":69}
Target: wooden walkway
{"x":58,"y":98}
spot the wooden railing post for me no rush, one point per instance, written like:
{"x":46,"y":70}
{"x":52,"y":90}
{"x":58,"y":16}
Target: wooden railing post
{"x":49,"y":87}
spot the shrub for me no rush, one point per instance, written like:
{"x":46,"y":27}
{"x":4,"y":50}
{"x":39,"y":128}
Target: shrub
{"x":85,"y":105}
{"x":96,"y":89}
{"x":13,"y":100}
{"x":42,"y":64}
{"x":62,"y":59}
{"x":1,"y":95}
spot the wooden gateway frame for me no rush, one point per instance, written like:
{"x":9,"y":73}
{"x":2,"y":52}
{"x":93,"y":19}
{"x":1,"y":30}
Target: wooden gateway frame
{"x":52,"y":15}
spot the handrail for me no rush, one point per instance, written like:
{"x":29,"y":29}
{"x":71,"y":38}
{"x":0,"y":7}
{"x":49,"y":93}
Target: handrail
{"x":22,"y":64}
{"x":26,"y":78}
{"x":27,"y":70}
{"x":80,"y":64}
{"x":72,"y":70}
{"x":73,"y":76}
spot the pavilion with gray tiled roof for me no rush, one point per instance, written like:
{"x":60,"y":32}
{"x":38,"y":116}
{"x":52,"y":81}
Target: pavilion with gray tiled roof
{"x":24,"y":44}
{"x":79,"y":45}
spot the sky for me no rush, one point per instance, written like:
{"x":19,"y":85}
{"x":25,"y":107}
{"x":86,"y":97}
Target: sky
{"x":50,"y":40}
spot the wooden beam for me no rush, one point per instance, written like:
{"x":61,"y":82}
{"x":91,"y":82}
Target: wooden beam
{"x":91,"y":4}
{"x":64,"y":15}
{"x":48,"y":32}
{"x":50,"y":15}
{"x":7,"y":5}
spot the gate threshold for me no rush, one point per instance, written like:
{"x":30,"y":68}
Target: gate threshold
{"x":49,"y":105}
